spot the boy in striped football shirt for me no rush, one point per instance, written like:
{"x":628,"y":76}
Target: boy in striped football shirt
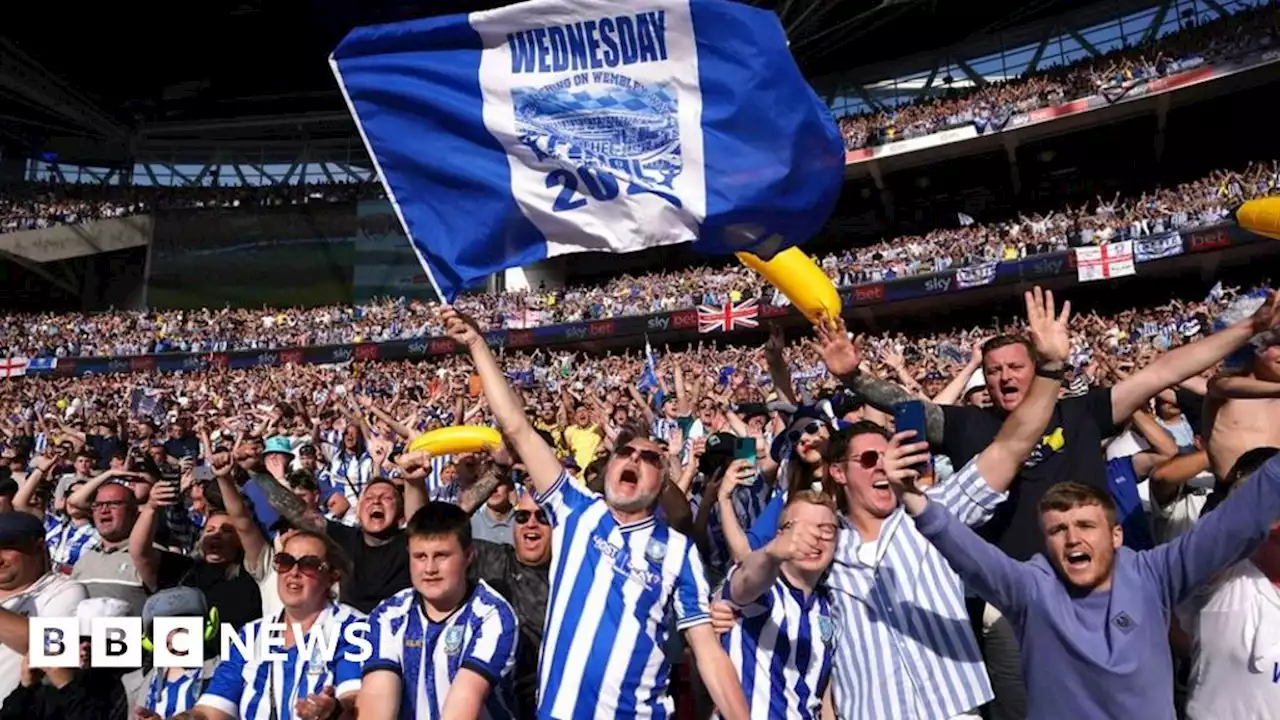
{"x":443,"y":648}
{"x":783,"y":643}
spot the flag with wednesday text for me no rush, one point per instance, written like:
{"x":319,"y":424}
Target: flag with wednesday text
{"x":551,"y":127}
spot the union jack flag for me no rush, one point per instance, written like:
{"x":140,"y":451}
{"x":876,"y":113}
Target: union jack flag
{"x":728,"y":317}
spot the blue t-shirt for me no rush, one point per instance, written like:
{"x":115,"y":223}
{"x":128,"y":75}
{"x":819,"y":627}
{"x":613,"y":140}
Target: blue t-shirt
{"x":1122,"y":481}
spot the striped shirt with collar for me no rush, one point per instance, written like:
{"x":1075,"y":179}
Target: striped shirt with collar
{"x":252,"y":689}
{"x":614,"y":591}
{"x":480,"y":635}
{"x":783,"y":646}
{"x":905,"y":648}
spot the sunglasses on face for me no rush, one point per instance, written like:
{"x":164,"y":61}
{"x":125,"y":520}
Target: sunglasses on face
{"x":652,"y":457}
{"x":109,"y":504}
{"x":522,"y":516}
{"x":308,"y":565}
{"x":809,"y":429}
{"x":868,"y":459}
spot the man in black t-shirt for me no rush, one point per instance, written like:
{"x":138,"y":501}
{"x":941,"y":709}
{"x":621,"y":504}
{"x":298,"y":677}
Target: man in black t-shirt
{"x":378,"y":550}
{"x":1071,"y":448}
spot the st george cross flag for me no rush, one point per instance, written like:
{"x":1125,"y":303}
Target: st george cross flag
{"x":728,"y":317}
{"x":13,"y":367}
{"x":1104,"y":261}
{"x":552,"y":127}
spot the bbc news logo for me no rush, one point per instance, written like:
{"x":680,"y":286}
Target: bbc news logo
{"x":179,"y":642}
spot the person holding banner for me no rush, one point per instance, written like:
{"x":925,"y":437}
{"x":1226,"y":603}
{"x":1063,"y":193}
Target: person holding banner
{"x":616,"y":570}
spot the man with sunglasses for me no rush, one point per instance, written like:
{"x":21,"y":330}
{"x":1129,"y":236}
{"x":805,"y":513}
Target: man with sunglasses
{"x":618,"y":573}
{"x":520,"y":572}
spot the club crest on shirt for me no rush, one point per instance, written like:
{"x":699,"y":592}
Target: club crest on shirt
{"x":1051,"y":443}
{"x":656,"y":551}
{"x":826,"y":628}
{"x":453,"y":640}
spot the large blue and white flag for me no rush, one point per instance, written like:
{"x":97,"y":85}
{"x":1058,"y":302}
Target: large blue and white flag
{"x":552,"y":127}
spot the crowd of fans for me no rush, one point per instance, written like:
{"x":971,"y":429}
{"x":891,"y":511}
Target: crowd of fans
{"x":124,"y":333}
{"x":293,"y":493}
{"x":1110,"y":74}
{"x":38,"y":205}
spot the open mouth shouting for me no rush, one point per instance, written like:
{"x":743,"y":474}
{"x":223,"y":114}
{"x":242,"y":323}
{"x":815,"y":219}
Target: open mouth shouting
{"x":1077,"y":560}
{"x":628,"y":479}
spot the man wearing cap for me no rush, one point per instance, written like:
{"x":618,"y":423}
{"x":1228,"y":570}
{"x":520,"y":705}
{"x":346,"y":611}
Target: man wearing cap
{"x":27,"y":589}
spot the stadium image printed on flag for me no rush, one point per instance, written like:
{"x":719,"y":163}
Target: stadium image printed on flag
{"x":691,"y":359}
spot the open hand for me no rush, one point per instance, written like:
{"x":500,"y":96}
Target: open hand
{"x":1050,"y":334}
{"x":838,"y":352}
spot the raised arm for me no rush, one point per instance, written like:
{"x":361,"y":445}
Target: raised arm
{"x":1221,"y":538}
{"x":539,"y":458}
{"x":1240,"y":386}
{"x":1178,"y":365}
{"x":842,"y":359}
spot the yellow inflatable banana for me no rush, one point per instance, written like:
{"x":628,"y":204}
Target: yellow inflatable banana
{"x":1261,"y":216}
{"x":454,"y":440}
{"x":800,"y":279}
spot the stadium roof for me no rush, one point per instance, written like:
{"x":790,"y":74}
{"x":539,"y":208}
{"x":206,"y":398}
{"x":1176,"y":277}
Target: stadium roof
{"x":104,"y":68}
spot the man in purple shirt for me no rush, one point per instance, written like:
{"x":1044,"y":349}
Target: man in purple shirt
{"x":1093,"y":616}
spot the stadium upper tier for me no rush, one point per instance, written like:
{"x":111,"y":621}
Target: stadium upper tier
{"x":1111,"y":73}
{"x":1199,"y":203}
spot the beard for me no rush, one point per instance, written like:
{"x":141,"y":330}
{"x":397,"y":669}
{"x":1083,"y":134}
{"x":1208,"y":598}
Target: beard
{"x":633,"y":504}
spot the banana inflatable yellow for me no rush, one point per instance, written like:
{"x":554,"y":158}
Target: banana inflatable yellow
{"x":454,"y":440}
{"x":800,"y":279}
{"x":1261,"y":216}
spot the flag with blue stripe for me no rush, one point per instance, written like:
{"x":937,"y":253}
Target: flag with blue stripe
{"x":551,"y":127}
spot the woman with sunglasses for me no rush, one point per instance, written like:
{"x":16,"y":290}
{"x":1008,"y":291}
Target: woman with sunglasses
{"x":798,"y":452}
{"x":307,"y":688}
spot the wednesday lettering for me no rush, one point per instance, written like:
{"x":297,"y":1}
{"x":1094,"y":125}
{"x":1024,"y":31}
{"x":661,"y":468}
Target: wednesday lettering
{"x":591,"y":44}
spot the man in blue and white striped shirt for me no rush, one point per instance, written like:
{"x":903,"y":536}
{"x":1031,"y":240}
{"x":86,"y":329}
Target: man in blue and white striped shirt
{"x":444,"y":647}
{"x":618,"y":574}
{"x":784,"y":643}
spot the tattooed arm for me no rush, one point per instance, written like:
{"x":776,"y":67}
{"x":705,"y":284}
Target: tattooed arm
{"x":473,"y":497}
{"x":842,"y":359}
{"x":290,"y":506}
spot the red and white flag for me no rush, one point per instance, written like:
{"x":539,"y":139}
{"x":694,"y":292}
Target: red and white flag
{"x":1103,"y":262}
{"x":728,"y":317}
{"x":13,"y":367}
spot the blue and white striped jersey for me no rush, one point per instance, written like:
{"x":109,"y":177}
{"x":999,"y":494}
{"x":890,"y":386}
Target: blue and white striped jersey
{"x":614,"y":589}
{"x":250,"y":689}
{"x":783,"y":647}
{"x":349,"y":474}
{"x":167,"y":697}
{"x":480,"y":636}
{"x":437,"y":489}
{"x":66,"y":541}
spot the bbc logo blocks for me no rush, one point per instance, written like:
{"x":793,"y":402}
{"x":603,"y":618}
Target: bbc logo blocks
{"x":115,"y":642}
